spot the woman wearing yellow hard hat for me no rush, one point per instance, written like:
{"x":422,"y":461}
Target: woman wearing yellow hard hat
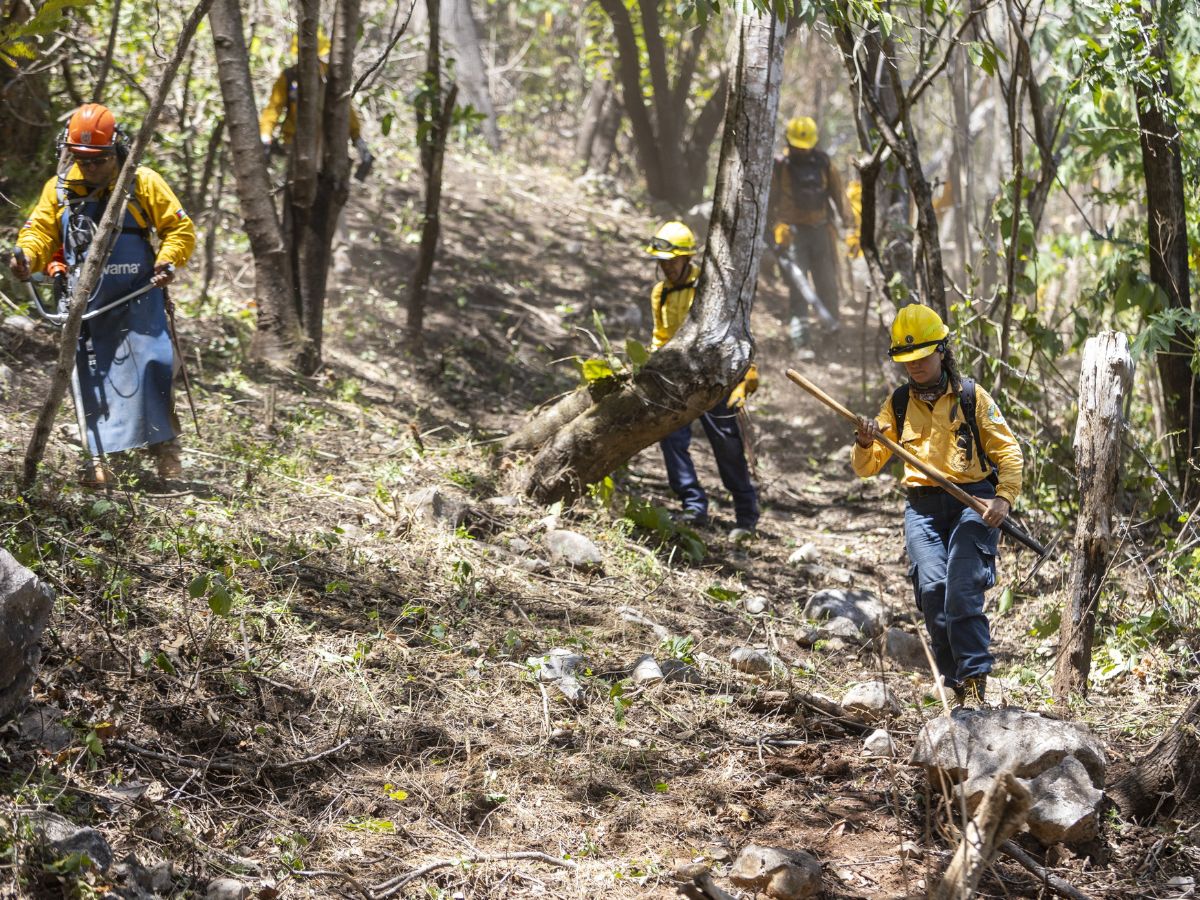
{"x":674,"y":245}
{"x":953,"y":425}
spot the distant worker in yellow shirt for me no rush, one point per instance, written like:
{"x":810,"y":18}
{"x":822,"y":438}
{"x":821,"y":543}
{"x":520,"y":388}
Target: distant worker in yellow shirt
{"x":674,"y":245}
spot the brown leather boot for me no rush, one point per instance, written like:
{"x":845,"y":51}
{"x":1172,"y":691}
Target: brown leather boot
{"x":169,"y":459}
{"x":970,"y":694}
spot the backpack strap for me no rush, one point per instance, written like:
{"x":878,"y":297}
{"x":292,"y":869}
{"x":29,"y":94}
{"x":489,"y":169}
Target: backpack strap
{"x":967,"y":402}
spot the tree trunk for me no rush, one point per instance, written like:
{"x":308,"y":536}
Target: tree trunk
{"x":704,"y":132}
{"x":24,"y":106}
{"x":605,"y":143}
{"x":106,"y":61}
{"x":1105,"y":380}
{"x":278,"y":338}
{"x":93,"y":265}
{"x":471,"y":73}
{"x":1166,"y":213}
{"x":434,"y":114}
{"x":713,"y":348}
{"x":1165,"y":779}
{"x":333,"y":180}
{"x":589,"y":123}
{"x":305,"y":151}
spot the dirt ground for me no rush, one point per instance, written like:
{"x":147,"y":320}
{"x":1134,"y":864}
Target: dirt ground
{"x":275,"y":672}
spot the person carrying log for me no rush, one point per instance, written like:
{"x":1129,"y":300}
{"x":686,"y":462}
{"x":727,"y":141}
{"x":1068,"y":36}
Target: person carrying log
{"x":674,"y":245}
{"x":952,"y":424}
{"x":125,"y":360}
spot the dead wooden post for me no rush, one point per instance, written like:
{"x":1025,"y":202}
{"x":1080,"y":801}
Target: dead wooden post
{"x":1000,"y":815}
{"x":1104,"y":381}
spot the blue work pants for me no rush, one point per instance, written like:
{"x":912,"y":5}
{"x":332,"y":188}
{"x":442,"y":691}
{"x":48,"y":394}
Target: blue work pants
{"x":953,"y":562}
{"x":721,"y":425}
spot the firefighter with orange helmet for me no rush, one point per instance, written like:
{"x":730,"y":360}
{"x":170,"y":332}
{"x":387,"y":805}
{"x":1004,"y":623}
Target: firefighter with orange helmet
{"x":125,"y":359}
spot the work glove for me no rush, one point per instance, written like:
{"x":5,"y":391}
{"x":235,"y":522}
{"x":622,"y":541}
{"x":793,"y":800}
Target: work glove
{"x":18,"y":264}
{"x":164,"y":274}
{"x":748,"y":385}
{"x":365,"y":160}
{"x":782,"y":234}
{"x":853,"y":244}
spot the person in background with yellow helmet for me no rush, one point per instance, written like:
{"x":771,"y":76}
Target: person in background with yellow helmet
{"x":674,"y":245}
{"x":125,"y":359}
{"x":281,"y":105}
{"x":806,"y":191}
{"x":952,"y":424}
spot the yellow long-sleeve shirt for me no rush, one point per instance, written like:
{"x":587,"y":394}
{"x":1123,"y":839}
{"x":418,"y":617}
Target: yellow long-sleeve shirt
{"x":281,"y":101}
{"x":940,"y":436}
{"x":669,"y":305}
{"x":41,"y":236}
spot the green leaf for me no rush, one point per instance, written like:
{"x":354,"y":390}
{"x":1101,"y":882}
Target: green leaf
{"x":637,"y":352}
{"x":597,"y":370}
{"x":725,"y":595}
{"x":198,"y":587}
{"x":1006,"y":602}
{"x":219,"y":599}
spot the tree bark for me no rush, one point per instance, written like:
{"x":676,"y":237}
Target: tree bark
{"x":434,"y":114}
{"x":1104,"y":382}
{"x":24,"y":105}
{"x":1000,"y":815}
{"x":589,"y":123}
{"x":102,"y":242}
{"x":1166,"y":214}
{"x":1165,"y":779}
{"x":471,"y":73}
{"x":106,"y":61}
{"x":605,"y":143}
{"x":305,"y":151}
{"x":278,"y":338}
{"x":713,"y":348}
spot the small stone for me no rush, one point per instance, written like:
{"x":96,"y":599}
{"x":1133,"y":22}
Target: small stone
{"x":559,"y":667}
{"x":23,"y":324}
{"x":65,"y":838}
{"x":905,"y":650}
{"x":863,"y":608}
{"x":647,"y":671}
{"x":519,"y":545}
{"x":910,"y":850}
{"x":573,"y":549}
{"x":227,"y":889}
{"x":503,"y":502}
{"x":42,"y":725}
{"x":782,"y":874}
{"x":805,"y":554}
{"x":879,"y":744}
{"x":755,"y":604}
{"x":676,"y":670}
{"x":8,"y":380}
{"x":870,"y":701}
{"x":756,"y":662}
{"x":437,"y":507}
{"x":160,"y":878}
{"x":1065,"y":805}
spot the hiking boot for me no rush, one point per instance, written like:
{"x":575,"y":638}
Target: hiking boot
{"x":169,"y":459}
{"x":741,"y":535}
{"x":692,"y":518}
{"x":970,"y":694}
{"x":96,"y":475}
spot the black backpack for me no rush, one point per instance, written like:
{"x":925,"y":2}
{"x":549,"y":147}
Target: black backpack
{"x":966,"y":402}
{"x":808,"y":179}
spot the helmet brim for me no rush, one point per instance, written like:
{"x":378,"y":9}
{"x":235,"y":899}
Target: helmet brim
{"x":669,"y":254}
{"x":802,"y":144}
{"x":88,"y":150}
{"x":914,"y":355}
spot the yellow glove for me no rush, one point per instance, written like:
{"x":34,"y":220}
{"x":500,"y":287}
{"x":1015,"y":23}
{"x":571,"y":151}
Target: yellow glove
{"x":783,"y":235}
{"x":748,"y":385}
{"x":853,"y":246}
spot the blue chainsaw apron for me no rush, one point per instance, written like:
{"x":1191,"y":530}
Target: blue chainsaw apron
{"x":125,"y":359}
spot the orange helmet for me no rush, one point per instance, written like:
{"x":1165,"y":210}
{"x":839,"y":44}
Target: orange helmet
{"x":91,"y":131}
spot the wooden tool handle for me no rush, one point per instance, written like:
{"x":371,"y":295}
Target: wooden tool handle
{"x":920,"y":465}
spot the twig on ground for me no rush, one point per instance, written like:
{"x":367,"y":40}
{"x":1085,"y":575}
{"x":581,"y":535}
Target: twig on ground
{"x":330,"y":873}
{"x":232,"y":768}
{"x":1060,"y":886}
{"x":392,"y":886}
{"x":1001,"y":812}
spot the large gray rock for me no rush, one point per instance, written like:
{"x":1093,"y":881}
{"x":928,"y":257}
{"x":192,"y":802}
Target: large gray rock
{"x":838,"y":633}
{"x":25,"y":605}
{"x":971,"y":748}
{"x":756,"y":662}
{"x":227,"y":889}
{"x":782,"y":874}
{"x":905,"y":650}
{"x":862,"y":608}
{"x":64,"y":838}
{"x":871,"y":701}
{"x":573,"y":548}
{"x":1066,"y":805}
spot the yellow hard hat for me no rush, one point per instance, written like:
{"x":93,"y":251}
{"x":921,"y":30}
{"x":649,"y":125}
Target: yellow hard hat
{"x":917,"y":332}
{"x":672,"y":240}
{"x":802,"y":133}
{"x":323,"y":44}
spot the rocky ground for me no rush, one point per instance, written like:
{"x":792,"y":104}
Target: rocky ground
{"x":342,"y":659}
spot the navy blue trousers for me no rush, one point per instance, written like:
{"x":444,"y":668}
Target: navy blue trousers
{"x":953,"y":562}
{"x":721,"y":426}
